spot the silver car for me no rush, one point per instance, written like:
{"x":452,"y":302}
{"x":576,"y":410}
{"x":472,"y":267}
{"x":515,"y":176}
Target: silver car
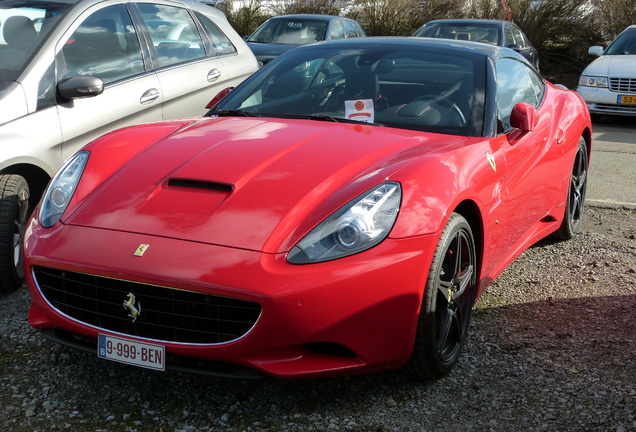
{"x":71,"y":70}
{"x":608,"y":84}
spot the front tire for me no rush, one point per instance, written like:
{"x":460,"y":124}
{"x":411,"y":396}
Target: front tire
{"x":575,"y":203}
{"x":448,"y":300}
{"x":14,"y":214}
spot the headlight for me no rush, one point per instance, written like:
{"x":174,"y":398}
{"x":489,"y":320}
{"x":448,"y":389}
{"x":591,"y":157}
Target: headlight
{"x":359,"y":225}
{"x":61,"y":189}
{"x":593,"y":81}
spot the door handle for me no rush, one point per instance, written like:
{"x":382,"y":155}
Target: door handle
{"x":149,"y":96}
{"x":214,"y":75}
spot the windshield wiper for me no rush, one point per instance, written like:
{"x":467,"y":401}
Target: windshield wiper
{"x":324,"y":117}
{"x":231,"y":113}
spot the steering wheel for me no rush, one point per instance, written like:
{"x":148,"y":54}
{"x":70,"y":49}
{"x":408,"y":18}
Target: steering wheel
{"x":445,"y":103}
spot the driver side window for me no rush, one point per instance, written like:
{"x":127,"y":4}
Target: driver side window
{"x":516,"y":82}
{"x":105,"y":45}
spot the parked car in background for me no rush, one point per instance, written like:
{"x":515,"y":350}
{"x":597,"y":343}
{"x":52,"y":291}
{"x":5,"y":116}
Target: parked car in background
{"x":281,"y":33}
{"x":338,"y":212}
{"x":73,"y":70}
{"x":493,"y":32}
{"x":608,"y":84}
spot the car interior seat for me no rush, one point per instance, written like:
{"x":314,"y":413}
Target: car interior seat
{"x":365,"y":83}
{"x":20,"y":35}
{"x":19,"y":32}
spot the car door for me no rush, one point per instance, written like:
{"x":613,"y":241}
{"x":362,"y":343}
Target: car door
{"x":189,"y":70}
{"x":529,"y":190}
{"x":352,"y":29}
{"x":523,"y":46}
{"x":336,"y":30}
{"x":105,"y":44}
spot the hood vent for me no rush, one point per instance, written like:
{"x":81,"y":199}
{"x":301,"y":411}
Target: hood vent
{"x":201,"y":185}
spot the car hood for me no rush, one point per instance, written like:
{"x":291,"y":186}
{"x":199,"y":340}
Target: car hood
{"x":618,"y":66}
{"x":249,"y":183}
{"x":266,"y":52}
{"x":12,"y":101}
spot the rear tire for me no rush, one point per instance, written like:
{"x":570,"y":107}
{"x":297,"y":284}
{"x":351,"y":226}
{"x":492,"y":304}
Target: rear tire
{"x":447,"y":304}
{"x":14,"y":214}
{"x":575,"y":202}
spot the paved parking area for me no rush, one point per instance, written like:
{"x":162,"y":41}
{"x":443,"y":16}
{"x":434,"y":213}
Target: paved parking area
{"x":612,"y":177}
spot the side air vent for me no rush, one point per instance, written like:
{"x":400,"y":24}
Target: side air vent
{"x":201,"y":185}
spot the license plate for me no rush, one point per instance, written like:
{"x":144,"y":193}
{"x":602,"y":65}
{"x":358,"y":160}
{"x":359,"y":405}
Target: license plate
{"x":134,"y":353}
{"x":626,"y":100}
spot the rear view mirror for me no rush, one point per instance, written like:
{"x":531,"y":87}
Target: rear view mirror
{"x":220,"y":95}
{"x":80,"y":86}
{"x":524,"y":117}
{"x":596,"y":51}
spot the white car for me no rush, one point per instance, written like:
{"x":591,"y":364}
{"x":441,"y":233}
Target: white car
{"x":608,"y":84}
{"x":72,"y":70}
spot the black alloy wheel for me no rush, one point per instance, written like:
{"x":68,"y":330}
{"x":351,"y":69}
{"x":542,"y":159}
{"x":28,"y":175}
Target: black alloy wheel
{"x":14,"y":214}
{"x":575,"y":202}
{"x":448,"y":301}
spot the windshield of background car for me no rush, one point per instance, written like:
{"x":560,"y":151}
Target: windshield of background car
{"x":486,"y":33}
{"x":290,"y":31}
{"x":624,"y":44}
{"x":23,"y":26}
{"x":394,"y":85}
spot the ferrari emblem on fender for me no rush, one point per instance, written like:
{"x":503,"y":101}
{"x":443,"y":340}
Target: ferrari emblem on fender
{"x":491,"y":159}
{"x":141,"y":250}
{"x":129,"y":305}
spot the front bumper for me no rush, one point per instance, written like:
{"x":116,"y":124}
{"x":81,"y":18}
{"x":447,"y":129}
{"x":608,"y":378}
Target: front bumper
{"x":604,"y":101}
{"x":352,"y":315}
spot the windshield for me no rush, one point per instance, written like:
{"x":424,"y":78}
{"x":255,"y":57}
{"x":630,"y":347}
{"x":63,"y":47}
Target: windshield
{"x":624,"y":44}
{"x":23,"y":26}
{"x":386,"y":85}
{"x":290,"y":31}
{"x":484,"y":33}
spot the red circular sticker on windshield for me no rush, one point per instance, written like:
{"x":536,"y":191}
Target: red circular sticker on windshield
{"x":359,"y":105}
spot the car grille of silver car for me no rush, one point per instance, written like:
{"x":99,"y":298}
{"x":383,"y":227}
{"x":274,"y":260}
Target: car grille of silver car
{"x":623,"y":85}
{"x":147,"y":311}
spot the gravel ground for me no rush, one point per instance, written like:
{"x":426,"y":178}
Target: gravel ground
{"x":551,"y":347}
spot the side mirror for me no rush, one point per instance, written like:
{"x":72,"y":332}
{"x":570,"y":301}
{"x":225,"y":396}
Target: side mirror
{"x":514,"y":47}
{"x":524,"y":117}
{"x":596,"y":51}
{"x":220,"y":95}
{"x":80,"y":86}
{"x":246,"y":37}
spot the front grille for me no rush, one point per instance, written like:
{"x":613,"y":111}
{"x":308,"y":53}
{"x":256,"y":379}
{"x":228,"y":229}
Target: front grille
{"x":166,"y":314}
{"x":623,"y":85}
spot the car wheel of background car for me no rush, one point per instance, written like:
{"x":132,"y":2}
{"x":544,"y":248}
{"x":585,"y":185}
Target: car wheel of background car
{"x":14,"y":213}
{"x":448,"y":300}
{"x":575,"y":203}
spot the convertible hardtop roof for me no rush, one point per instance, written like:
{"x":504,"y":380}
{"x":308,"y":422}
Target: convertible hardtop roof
{"x":421,"y":42}
{"x":308,"y":16}
{"x":473,"y":21}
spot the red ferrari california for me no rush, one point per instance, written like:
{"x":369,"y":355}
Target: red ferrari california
{"x":338,"y":212}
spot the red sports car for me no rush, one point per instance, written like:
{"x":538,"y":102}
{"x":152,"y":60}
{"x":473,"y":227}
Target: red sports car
{"x":338,"y":212}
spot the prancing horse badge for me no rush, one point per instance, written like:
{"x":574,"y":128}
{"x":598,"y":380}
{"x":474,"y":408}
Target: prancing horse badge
{"x":491,"y":159}
{"x":141,"y":250}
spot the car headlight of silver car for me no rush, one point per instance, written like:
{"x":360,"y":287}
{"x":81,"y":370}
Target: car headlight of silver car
{"x":60,"y":190}
{"x":359,"y":225}
{"x":593,"y":81}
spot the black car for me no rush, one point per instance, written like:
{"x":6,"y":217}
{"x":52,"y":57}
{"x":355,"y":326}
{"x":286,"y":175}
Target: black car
{"x":493,"y":32}
{"x":281,"y":33}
